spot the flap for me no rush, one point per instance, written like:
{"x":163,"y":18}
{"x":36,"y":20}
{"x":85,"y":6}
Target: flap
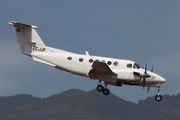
{"x":100,"y":68}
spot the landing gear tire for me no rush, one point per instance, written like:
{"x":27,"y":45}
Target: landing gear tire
{"x":106,"y":91}
{"x":100,"y":88}
{"x":158,"y":98}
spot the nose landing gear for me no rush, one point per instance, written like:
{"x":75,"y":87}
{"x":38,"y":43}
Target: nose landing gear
{"x":158,"y":97}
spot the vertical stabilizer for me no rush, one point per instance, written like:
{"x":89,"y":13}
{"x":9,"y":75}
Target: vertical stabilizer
{"x":28,"y":38}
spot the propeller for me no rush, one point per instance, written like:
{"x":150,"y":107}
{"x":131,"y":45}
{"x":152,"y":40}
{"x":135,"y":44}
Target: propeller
{"x":145,"y":75}
{"x":151,"y":71}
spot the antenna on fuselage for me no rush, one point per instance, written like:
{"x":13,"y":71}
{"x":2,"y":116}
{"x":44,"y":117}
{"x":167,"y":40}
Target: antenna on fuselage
{"x":87,"y":53}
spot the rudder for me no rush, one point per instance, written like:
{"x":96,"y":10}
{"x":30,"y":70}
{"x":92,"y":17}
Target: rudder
{"x":28,"y":38}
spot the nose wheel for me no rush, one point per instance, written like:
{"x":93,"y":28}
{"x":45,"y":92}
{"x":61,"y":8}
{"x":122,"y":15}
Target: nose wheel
{"x":158,"y":97}
{"x":105,"y":90}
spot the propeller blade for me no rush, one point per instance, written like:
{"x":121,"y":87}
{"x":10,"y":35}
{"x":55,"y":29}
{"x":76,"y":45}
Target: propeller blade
{"x":148,"y":89}
{"x":145,"y":68}
{"x":144,"y":80}
{"x":152,"y":69}
{"x":144,"y":76}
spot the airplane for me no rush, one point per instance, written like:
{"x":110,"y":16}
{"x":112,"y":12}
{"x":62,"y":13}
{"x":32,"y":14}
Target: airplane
{"x":112,"y":71}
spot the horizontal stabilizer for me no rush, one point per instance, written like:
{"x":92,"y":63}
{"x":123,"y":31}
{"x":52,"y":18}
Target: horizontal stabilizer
{"x":42,"y":61}
{"x":17,"y":24}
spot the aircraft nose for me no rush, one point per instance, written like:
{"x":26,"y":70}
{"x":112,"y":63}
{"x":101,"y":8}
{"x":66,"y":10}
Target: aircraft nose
{"x":162,"y":80}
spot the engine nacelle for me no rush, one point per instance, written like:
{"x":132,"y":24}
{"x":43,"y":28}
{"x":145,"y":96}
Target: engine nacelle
{"x":128,"y":76}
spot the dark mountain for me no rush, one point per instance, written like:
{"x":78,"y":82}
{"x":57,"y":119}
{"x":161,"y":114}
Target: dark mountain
{"x":17,"y":100}
{"x":76,"y":104}
{"x":168,"y":108}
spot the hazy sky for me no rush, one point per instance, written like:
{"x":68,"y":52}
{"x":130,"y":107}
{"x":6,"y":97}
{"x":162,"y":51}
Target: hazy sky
{"x":139,"y":30}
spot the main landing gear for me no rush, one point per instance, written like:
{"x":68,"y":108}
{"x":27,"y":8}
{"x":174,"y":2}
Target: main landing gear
{"x":105,"y":90}
{"x":158,"y":97}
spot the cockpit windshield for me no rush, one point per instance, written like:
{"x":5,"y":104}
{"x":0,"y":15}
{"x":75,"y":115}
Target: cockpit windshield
{"x":137,"y":65}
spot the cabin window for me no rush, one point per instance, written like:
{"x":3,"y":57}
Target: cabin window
{"x":129,"y":65}
{"x":97,"y":60}
{"x":80,"y":59}
{"x":115,"y":63}
{"x":69,"y":58}
{"x":90,"y":60}
{"x":109,"y":62}
{"x":103,"y":61}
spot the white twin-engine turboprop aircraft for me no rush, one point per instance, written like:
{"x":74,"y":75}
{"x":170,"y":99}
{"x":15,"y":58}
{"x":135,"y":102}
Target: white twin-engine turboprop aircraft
{"x":112,"y":71}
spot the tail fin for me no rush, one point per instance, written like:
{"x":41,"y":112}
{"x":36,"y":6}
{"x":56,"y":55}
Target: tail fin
{"x":28,"y":38}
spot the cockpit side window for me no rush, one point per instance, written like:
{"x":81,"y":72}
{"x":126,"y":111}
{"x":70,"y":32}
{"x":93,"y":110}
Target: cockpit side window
{"x":129,"y":65}
{"x":137,"y":66}
{"x":134,"y":66}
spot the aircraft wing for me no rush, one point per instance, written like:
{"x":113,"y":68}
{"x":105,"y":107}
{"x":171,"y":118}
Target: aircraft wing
{"x":100,"y":69}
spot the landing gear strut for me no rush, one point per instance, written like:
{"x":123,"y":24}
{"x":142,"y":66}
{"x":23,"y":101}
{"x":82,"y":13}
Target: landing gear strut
{"x":158,"y":97}
{"x":100,"y":88}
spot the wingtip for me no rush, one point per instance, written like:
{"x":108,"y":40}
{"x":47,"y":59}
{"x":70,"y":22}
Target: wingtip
{"x":11,"y":22}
